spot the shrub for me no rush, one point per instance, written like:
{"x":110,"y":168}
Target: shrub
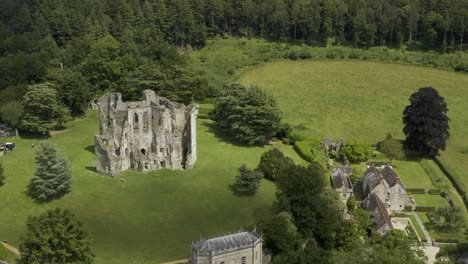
{"x":435,"y":192}
{"x":357,"y":151}
{"x":424,"y":208}
{"x":248,"y":181}
{"x":231,"y":72}
{"x":2,"y":175}
{"x":408,"y":208}
{"x":447,"y":217}
{"x":293,"y":55}
{"x":416,"y":190}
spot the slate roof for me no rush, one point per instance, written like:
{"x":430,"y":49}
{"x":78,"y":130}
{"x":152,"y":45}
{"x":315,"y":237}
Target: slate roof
{"x":391,"y":177}
{"x":378,"y":212}
{"x":372,"y":177}
{"x":340,"y":177}
{"x":228,"y":243}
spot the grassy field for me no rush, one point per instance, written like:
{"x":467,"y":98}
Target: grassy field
{"x":359,"y":99}
{"x":146,"y":218}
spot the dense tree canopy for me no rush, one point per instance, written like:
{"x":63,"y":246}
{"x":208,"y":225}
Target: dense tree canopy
{"x":357,"y":150}
{"x":250,"y":115}
{"x":248,"y":180}
{"x":426,"y":122}
{"x":272,"y":162}
{"x":55,"y":237}
{"x":42,"y":109}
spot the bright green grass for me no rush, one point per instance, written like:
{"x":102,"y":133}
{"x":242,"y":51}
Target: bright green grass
{"x":7,"y":255}
{"x":429,"y":200}
{"x":147,"y":218}
{"x":417,"y":227}
{"x":413,"y":174}
{"x":359,"y":99}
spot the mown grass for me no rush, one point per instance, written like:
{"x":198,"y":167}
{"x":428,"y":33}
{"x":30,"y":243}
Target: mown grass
{"x":145,"y":218}
{"x":417,"y":227}
{"x":359,"y":99}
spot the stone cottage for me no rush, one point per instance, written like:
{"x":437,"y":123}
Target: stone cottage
{"x":239,"y":248}
{"x":146,"y":135}
{"x":342,"y":183}
{"x":381,"y":221}
{"x":386,"y":184}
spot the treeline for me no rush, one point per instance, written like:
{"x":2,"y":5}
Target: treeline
{"x":432,"y":24}
{"x":86,"y":48}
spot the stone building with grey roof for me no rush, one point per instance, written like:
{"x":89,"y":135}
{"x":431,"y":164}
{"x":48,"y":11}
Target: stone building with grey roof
{"x":239,"y":248}
{"x":381,"y":221}
{"x":386,"y":184}
{"x":342,"y":183}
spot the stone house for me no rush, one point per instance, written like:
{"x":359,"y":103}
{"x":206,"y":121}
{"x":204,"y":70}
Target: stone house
{"x":386,"y":184}
{"x":381,"y":221}
{"x":342,"y":183}
{"x":240,"y":248}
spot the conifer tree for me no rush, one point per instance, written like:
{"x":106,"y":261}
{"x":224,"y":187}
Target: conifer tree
{"x":248,"y":180}
{"x":53,"y":176}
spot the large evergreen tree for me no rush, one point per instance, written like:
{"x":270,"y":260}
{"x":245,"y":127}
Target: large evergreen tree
{"x":426,"y":122}
{"x":53,"y":176}
{"x":250,"y":115}
{"x":55,"y":237}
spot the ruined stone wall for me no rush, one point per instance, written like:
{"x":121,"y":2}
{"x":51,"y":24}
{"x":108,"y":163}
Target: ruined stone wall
{"x":147,"y":135}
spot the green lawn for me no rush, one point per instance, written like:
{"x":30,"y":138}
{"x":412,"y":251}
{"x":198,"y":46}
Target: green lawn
{"x":359,"y":99}
{"x":412,"y":174}
{"x":430,"y":200}
{"x":417,"y":227}
{"x":147,"y":218}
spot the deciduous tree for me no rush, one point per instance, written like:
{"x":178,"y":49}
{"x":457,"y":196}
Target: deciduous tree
{"x":55,"y":237}
{"x":272,"y":162}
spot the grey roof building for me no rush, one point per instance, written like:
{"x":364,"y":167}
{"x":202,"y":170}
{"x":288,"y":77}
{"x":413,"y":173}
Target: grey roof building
{"x":240,"y":248}
{"x":341,"y":182}
{"x":381,"y":221}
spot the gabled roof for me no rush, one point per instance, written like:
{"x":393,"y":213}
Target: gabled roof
{"x":372,"y":177}
{"x":391,"y":177}
{"x":340,"y":177}
{"x":226,"y":243}
{"x":378,"y":212}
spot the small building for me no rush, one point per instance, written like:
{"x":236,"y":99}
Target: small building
{"x":381,"y":221}
{"x":240,"y":248}
{"x":386,"y":185}
{"x":329,"y":145}
{"x":342,"y":183}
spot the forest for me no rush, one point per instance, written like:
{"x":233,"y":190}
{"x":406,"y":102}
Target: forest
{"x":85,"y":48}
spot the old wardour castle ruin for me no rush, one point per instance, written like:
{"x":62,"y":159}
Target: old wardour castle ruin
{"x":146,"y":135}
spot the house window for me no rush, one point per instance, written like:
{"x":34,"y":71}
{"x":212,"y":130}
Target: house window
{"x":256,"y":254}
{"x":344,"y":195}
{"x":222,"y":262}
{"x":135,"y":121}
{"x":244,"y":260}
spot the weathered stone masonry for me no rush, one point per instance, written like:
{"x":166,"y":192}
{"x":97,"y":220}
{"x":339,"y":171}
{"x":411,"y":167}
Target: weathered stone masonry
{"x":147,"y":135}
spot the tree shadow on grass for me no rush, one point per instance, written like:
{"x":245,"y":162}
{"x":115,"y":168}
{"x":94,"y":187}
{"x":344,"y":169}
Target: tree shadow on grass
{"x":91,"y":168}
{"x":237,"y":193}
{"x":223,"y":136}
{"x":91,"y":149}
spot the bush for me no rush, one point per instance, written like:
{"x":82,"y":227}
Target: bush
{"x":2,"y":175}
{"x":425,"y":208}
{"x":447,"y":218}
{"x":416,"y":190}
{"x":408,"y":208}
{"x":249,"y":115}
{"x":357,"y":151}
{"x":248,"y":181}
{"x":435,"y":192}
{"x":293,"y":55}
{"x":310,"y":150}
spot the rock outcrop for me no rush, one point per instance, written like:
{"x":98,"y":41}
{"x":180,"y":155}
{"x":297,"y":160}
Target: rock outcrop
{"x":147,"y":135}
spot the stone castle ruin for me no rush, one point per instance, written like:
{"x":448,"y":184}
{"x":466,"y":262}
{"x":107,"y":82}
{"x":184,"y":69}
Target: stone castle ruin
{"x":147,"y":135}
